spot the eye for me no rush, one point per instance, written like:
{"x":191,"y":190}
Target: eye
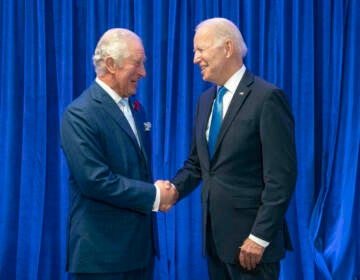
{"x":138,"y":62}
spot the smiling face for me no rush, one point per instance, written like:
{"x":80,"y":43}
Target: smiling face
{"x":211,"y":56}
{"x":126,"y":77}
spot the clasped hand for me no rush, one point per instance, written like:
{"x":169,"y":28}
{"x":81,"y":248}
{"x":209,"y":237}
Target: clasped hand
{"x":168,"y":195}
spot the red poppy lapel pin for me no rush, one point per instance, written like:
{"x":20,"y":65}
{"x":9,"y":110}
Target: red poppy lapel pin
{"x":136,"y":105}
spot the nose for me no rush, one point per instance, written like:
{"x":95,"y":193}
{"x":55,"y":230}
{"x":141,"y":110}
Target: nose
{"x":142,"y":71}
{"x":196,"y":59}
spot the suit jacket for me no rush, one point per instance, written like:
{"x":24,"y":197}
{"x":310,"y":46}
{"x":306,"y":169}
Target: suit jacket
{"x":110,"y":227}
{"x":248,"y":183}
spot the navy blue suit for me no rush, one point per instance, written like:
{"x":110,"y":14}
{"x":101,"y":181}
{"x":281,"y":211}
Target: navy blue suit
{"x":247,"y":185}
{"x":110,"y":225}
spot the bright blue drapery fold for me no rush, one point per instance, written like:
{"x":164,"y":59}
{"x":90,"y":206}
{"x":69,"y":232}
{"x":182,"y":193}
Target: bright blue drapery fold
{"x":309,"y":48}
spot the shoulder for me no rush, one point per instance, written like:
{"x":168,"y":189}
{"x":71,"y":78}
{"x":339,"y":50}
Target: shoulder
{"x":208,"y":94}
{"x":84,"y":107}
{"x":271,"y":98}
{"x":265,"y":90}
{"x":264,"y":85}
{"x":86,"y":100}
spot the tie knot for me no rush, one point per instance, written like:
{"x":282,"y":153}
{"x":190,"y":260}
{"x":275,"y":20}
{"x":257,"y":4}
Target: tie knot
{"x":221,"y":92}
{"x":123,"y":102}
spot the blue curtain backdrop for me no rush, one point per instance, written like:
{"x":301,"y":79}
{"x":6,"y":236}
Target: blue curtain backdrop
{"x":309,"y":48}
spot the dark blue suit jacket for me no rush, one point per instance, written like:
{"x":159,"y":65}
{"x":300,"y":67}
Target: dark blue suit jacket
{"x":248,"y":183}
{"x":110,"y":226}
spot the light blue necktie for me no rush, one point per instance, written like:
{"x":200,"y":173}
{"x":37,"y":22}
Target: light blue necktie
{"x":124,"y":103}
{"x":216,"y":120}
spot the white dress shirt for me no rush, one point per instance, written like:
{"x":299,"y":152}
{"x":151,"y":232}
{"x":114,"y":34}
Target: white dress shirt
{"x":231,"y":86}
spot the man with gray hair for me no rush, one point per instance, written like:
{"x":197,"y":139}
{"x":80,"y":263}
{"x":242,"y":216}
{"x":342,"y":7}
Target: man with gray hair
{"x":243,"y":150}
{"x":105,"y":138}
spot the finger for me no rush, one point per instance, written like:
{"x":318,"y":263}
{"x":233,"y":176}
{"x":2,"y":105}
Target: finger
{"x":167,"y":208}
{"x":175,"y":195}
{"x":252,"y":261}
{"x":242,"y":258}
{"x":258,"y":259}
{"x":247,"y":261}
{"x":159,"y":183}
{"x":168,"y":185}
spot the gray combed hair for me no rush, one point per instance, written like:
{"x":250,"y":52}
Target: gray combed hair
{"x":225,"y":29}
{"x":113,"y":43}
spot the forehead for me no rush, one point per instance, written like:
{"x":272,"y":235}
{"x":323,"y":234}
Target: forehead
{"x":136,"y":48}
{"x":203,"y":37}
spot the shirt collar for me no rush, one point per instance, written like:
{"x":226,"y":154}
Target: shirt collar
{"x":112,"y":93}
{"x":232,"y":84}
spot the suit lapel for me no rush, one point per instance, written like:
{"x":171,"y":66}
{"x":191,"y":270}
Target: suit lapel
{"x":204,"y":115}
{"x":140,"y":130}
{"x":240,"y":95}
{"x":99,"y":95}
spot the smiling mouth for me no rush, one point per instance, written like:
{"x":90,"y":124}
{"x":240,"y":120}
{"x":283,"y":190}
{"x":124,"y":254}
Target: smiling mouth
{"x":203,"y":68}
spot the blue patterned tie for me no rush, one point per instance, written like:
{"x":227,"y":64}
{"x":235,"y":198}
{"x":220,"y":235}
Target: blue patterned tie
{"x":216,"y":120}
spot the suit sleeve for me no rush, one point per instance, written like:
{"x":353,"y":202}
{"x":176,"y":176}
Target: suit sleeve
{"x":279,"y":165}
{"x":86,"y":158}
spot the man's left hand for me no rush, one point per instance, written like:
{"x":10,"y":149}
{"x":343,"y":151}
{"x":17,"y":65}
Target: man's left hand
{"x":250,"y":254}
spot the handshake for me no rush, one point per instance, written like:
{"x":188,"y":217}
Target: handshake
{"x":168,"y":195}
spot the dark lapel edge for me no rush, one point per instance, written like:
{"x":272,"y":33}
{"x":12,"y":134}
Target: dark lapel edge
{"x":99,"y":95}
{"x":140,"y":129}
{"x":204,"y":115}
{"x":240,"y":95}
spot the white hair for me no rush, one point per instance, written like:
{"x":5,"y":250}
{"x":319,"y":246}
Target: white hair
{"x":113,"y":43}
{"x":224,"y":29}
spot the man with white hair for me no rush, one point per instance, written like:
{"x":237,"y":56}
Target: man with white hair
{"x":243,"y":150}
{"x":111,"y":232}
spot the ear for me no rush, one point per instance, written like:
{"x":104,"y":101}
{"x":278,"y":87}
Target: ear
{"x":110,"y":64}
{"x":229,"y":48}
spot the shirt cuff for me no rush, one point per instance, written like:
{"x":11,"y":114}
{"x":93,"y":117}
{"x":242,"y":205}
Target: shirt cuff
{"x":259,"y":241}
{"x":157,"y":200}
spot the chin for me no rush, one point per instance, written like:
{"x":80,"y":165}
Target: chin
{"x":204,"y":77}
{"x":133,"y":89}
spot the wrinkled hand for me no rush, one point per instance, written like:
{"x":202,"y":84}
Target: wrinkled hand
{"x":250,"y":254}
{"x":168,"y":195}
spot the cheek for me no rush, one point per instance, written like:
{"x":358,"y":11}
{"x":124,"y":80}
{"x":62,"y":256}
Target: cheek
{"x":130,"y":73}
{"x":120,"y":76}
{"x":217,"y":65}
